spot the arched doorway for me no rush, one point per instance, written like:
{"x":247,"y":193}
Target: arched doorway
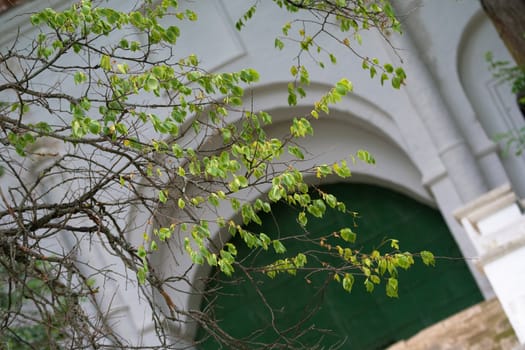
{"x":361,"y":320}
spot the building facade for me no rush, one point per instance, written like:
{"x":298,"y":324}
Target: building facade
{"x":432,"y":139}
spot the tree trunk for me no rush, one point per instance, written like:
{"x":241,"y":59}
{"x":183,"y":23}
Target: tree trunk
{"x":508,"y":16}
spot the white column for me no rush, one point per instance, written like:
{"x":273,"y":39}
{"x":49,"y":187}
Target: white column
{"x":427,"y":100}
{"x":495,"y":224}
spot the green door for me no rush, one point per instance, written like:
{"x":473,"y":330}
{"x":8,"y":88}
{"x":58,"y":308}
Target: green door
{"x":328,"y":315}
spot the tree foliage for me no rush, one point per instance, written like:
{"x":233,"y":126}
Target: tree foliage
{"x":95,"y":125}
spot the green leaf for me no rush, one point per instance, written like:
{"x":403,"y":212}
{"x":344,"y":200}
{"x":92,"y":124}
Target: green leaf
{"x":141,"y":275}
{"x":394,"y":243}
{"x":77,"y":128}
{"x":388,"y":68}
{"x":164,"y":233}
{"x":375,"y":279}
{"x":278,"y":44}
{"x":275,"y":193}
{"x":105,"y":62}
{"x":141,"y":252}
{"x":302,"y":219}
{"x":373,"y":72}
{"x":348,"y":235}
{"x":171,"y":35}
{"x":384,"y":77}
{"x":369,"y":286}
{"x":300,"y":260}
{"x":295,"y":151}
{"x":192,"y":16}
{"x":153,"y":246}
{"x":135,"y":46}
{"x":330,"y":200}
{"x":94,"y":127}
{"x":428,"y":258}
{"x":163,"y":196}
{"x":278,"y":247}
{"x":225,"y":266}
{"x":214,"y":200}
{"x":403,"y":261}
{"x":265,"y":240}
{"x":79,"y":77}
{"x":342,"y":169}
{"x":122,"y":68}
{"x":317,"y":208}
{"x":391,"y":287}
{"x":292,"y":98}
{"x":365,"y":156}
{"x":151,"y":83}
{"x":343,"y":86}
{"x":348,"y":282}
{"x":396,"y":82}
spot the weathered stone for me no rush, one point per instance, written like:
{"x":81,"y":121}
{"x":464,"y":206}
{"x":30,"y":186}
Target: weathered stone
{"x":482,"y":326}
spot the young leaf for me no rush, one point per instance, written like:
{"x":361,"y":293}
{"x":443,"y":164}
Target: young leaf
{"x":428,"y":258}
{"x":348,"y":235}
{"x":391,"y":287}
{"x":348,"y":282}
{"x":278,"y":247}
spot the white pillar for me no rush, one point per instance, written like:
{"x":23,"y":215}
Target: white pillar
{"x":496,"y":226}
{"x":426,"y":98}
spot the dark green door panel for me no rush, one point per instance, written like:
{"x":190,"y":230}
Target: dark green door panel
{"x":361,"y":320}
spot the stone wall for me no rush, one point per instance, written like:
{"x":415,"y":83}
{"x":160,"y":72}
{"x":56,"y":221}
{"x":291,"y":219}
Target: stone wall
{"x":480,"y":327}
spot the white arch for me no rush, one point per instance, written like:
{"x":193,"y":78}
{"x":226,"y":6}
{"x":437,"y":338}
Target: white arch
{"x":494,"y":105}
{"x":355,"y":123}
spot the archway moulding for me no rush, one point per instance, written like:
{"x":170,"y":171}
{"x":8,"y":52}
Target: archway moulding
{"x":353,"y":124}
